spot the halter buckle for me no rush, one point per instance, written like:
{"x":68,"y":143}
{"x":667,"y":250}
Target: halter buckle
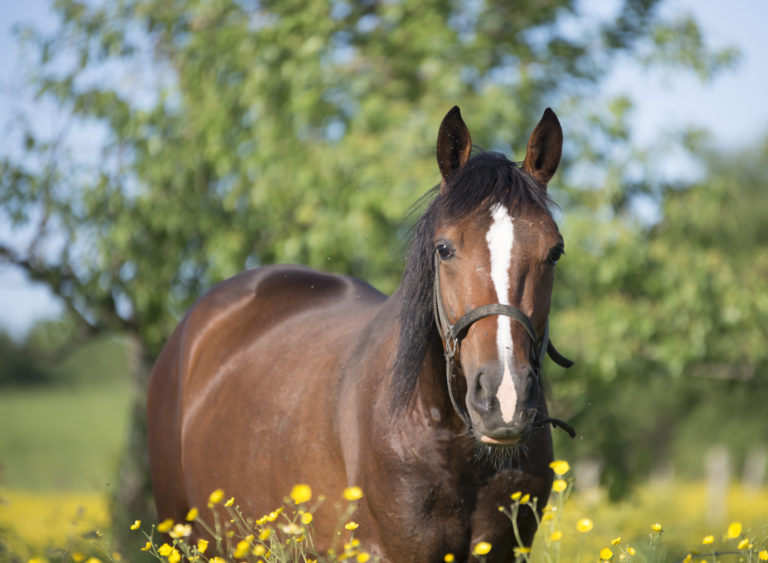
{"x":451,"y":343}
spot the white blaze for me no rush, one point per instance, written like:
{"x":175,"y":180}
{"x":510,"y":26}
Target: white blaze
{"x":500,"y":238}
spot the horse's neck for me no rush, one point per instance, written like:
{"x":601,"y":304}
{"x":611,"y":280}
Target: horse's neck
{"x":429,"y":404}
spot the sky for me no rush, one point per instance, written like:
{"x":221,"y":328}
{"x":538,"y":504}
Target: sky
{"x":734,"y":107}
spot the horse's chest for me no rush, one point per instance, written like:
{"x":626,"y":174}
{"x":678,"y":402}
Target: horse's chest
{"x":436,"y":517}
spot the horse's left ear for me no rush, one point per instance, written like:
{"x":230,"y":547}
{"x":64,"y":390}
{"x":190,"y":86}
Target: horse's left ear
{"x":544,"y":148}
{"x":453,"y":144}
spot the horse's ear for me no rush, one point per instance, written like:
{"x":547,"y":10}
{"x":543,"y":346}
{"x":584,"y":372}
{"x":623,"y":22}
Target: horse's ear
{"x":544,"y":148}
{"x":453,"y":144}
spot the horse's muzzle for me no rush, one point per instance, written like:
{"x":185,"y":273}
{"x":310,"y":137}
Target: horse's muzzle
{"x":502,"y":404}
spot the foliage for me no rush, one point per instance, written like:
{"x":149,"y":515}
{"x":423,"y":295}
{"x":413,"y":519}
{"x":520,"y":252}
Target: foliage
{"x":245,"y":133}
{"x":669,"y":321}
{"x":19,"y":365}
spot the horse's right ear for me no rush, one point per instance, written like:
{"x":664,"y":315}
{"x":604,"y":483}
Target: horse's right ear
{"x":453,"y":144}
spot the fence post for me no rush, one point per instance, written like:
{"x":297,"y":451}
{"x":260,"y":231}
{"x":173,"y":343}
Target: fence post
{"x":754,"y":468}
{"x":718,"y":467}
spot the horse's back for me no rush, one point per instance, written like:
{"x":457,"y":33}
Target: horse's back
{"x":252,"y":356}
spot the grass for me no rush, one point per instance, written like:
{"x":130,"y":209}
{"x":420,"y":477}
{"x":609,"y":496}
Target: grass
{"x":67,"y":436}
{"x":62,"y":439}
{"x":680,"y":508}
{"x":59,"y":447}
{"x":34,"y":522}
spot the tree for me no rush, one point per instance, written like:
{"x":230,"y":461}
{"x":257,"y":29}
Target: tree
{"x":671,"y":321}
{"x":244,"y":133}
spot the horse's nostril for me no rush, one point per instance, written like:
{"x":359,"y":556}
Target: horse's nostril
{"x":481,"y":383}
{"x":482,"y":392}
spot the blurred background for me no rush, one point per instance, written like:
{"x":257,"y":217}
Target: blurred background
{"x":151,"y":149}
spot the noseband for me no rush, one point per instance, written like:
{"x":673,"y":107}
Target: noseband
{"x":453,"y":334}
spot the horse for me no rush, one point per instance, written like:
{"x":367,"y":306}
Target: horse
{"x":430,"y":400}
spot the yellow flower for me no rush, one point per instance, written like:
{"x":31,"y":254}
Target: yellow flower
{"x":116,"y":556}
{"x":449,"y":558}
{"x":616,"y":541}
{"x":272,"y":516}
{"x":93,"y":560}
{"x":522,"y":551}
{"x":631,"y":550}
{"x":77,"y":556}
{"x":147,"y":546}
{"x":241,"y":550}
{"x":165,"y":525}
{"x":181,"y":531}
{"x":353,"y":493}
{"x":515,"y":496}
{"x":688,"y":558}
{"x":763,"y":555}
{"x":215,"y":497}
{"x":559,"y":485}
{"x":560,"y":467}
{"x":192,"y":514}
{"x":584,"y":525}
{"x":525,"y":499}
{"x":174,"y":556}
{"x":351,"y":525}
{"x":259,"y":550}
{"x":351,"y":545}
{"x":36,"y":560}
{"x":656,"y":527}
{"x":264,"y":534}
{"x":164,"y":550}
{"x":301,"y":493}
{"x":202,"y":545}
{"x":547,"y":516}
{"x":744,"y":544}
{"x":306,"y":518}
{"x":136,"y":524}
{"x":481,"y":548}
{"x":606,"y":554}
{"x":734,"y":530}
{"x":217,"y":559}
{"x":230,"y":502}
{"x":362,"y":557}
{"x":708,"y":539}
{"x":557,"y":535}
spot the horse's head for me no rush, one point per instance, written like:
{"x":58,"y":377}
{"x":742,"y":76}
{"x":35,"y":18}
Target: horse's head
{"x":495,"y":242}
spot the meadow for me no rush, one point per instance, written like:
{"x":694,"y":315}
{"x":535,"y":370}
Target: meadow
{"x":60,"y":443}
{"x":59,"y":446}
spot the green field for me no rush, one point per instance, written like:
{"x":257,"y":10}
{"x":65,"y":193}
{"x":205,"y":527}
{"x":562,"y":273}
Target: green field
{"x":66,"y":436}
{"x":56,"y":439}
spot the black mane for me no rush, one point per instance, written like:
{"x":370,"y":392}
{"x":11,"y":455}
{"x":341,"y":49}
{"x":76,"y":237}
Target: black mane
{"x":487,"y":179}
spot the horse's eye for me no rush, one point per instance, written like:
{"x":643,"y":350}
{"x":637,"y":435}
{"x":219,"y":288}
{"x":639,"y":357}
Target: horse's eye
{"x":555,"y":254}
{"x":444,"y":251}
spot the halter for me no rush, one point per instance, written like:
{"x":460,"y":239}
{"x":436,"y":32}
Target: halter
{"x":453,"y":334}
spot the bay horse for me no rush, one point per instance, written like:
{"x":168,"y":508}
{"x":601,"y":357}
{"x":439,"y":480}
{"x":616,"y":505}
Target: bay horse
{"x":429,"y":400}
